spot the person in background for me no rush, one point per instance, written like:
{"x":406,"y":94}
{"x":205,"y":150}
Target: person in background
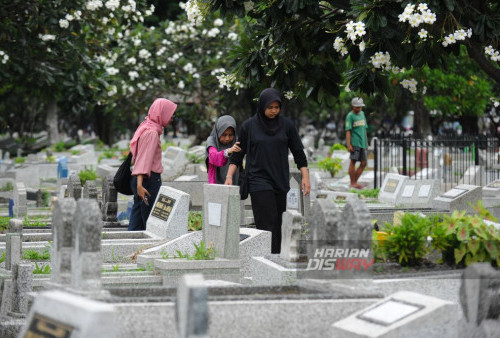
{"x":355,"y":126}
{"x":146,"y":151}
{"x":220,"y":145}
{"x":270,"y":135}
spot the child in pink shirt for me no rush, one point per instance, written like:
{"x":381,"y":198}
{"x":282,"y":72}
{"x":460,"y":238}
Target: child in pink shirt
{"x":220,"y":145}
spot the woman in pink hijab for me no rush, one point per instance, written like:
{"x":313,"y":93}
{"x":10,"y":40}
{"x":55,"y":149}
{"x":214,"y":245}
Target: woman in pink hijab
{"x":146,"y":150}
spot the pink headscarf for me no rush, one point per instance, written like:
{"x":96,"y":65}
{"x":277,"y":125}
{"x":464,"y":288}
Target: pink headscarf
{"x":159,"y":116}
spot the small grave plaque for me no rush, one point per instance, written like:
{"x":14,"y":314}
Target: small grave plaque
{"x":214,"y":213}
{"x":163,"y":207}
{"x":424,"y":190}
{"x":293,"y":199}
{"x":391,"y":185}
{"x":41,"y":326}
{"x":390,"y":312}
{"x":454,"y":193}
{"x":408,"y":191}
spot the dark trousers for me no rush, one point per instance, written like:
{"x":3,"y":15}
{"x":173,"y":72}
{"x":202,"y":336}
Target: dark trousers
{"x":268,"y":207}
{"x":140,"y":211}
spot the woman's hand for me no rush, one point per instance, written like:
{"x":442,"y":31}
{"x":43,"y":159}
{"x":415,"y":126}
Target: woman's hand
{"x":234,"y":149}
{"x":306,"y":184}
{"x":141,"y":191}
{"x":229,"y":180}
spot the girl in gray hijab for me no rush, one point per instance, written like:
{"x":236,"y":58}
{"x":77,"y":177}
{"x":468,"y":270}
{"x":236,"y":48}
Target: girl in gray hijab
{"x":220,"y":145}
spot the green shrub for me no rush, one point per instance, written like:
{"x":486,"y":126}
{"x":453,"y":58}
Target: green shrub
{"x":19,"y":160}
{"x":4,"y":223}
{"x":406,"y":243}
{"x":195,"y":220}
{"x":332,"y":165}
{"x":337,"y":146}
{"x":34,"y":255}
{"x":368,"y":193}
{"x":34,"y":221}
{"x":51,"y":159}
{"x":87,"y":175}
{"x":7,"y":187}
{"x":42,"y":269}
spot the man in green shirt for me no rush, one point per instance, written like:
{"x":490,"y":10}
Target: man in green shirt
{"x":355,"y":126}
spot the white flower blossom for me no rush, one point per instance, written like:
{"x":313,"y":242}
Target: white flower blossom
{"x":47,"y":37}
{"x":112,"y":90}
{"x":93,"y":5}
{"x":218,"y":22}
{"x":232,"y":36}
{"x":112,"y":70}
{"x":133,"y":75}
{"x":77,"y":14}
{"x":63,"y":23}
{"x":423,"y":34}
{"x":144,"y":54}
{"x":381,"y":60}
{"x":193,"y":12}
{"x":4,"y":57}
{"x":289,"y":95}
{"x":213,"y":32}
{"x":131,"y":61}
{"x":410,"y":84}
{"x":362,"y":46}
{"x":112,"y":4}
{"x":69,"y":17}
{"x":181,"y":85}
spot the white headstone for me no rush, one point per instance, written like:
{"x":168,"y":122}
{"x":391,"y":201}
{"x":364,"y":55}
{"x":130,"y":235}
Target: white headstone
{"x":169,"y":215}
{"x":391,"y":187}
{"x":458,"y":198}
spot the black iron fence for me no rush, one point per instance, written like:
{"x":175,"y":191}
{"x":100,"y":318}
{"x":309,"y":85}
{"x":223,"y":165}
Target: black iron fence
{"x":460,"y":160}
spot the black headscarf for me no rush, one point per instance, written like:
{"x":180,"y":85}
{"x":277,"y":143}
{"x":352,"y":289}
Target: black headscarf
{"x":269,"y":126}
{"x":220,"y":127}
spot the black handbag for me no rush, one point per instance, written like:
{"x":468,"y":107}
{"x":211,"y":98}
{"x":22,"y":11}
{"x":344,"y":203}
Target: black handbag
{"x":243,"y":176}
{"x":123,"y":176}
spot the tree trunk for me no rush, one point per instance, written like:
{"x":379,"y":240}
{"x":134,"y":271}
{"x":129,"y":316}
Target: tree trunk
{"x":103,"y":125}
{"x":51,"y":122}
{"x":421,"y":119}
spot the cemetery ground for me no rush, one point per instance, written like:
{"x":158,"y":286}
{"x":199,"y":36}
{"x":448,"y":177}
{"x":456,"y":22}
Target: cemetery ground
{"x":412,"y":257}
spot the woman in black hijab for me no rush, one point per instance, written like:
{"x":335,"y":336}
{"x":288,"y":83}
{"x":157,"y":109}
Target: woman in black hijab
{"x":268,"y":136}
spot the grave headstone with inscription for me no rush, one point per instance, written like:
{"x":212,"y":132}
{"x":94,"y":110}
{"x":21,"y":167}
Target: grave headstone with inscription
{"x":74,"y":187}
{"x":480,"y":299}
{"x":418,"y":193}
{"x":109,"y":206}
{"x":295,"y":198}
{"x":62,"y":314}
{"x":458,"y":198}
{"x":20,"y":200}
{"x":13,"y":243}
{"x":86,"y":258}
{"x":62,"y":236}
{"x":400,"y":315}
{"x":221,"y":219}
{"x":293,"y":236}
{"x":90,"y":190}
{"x":390,"y":188}
{"x":169,"y":215}
{"x":173,"y":158}
{"x":192,"y":307}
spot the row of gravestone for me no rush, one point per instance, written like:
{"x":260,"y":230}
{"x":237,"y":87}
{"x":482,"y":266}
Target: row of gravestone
{"x":403,"y":314}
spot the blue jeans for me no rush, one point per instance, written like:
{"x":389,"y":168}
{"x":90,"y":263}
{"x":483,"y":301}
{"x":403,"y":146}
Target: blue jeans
{"x":140,"y":211}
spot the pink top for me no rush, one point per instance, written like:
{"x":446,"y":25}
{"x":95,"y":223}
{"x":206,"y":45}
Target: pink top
{"x":215,"y":159}
{"x":148,"y":157}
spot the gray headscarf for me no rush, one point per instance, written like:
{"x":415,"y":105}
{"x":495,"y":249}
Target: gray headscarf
{"x":220,"y":127}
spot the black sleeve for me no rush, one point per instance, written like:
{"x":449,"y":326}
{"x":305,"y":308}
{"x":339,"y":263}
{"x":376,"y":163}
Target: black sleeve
{"x":237,"y":158}
{"x":296,"y":147}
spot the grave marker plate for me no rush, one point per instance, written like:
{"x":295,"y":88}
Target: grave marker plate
{"x":408,"y":191}
{"x":454,"y":193}
{"x":163,"y":207}
{"x":292,"y":199}
{"x":424,"y":190}
{"x":42,"y":326}
{"x":390,"y":312}
{"x":391,"y":185}
{"x":214,"y":213}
